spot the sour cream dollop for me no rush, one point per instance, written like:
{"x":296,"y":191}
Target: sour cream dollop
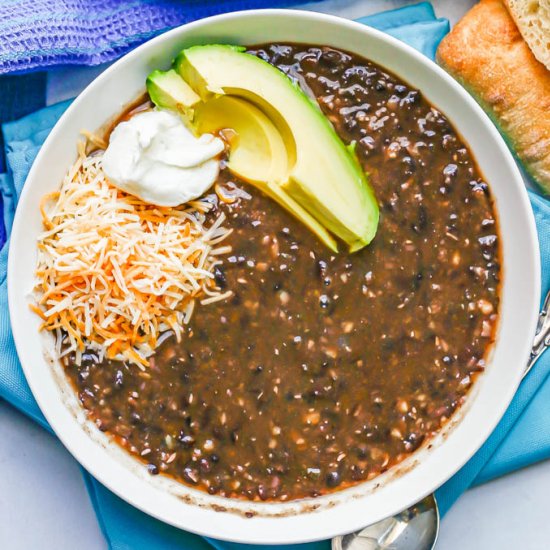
{"x":156,"y":158}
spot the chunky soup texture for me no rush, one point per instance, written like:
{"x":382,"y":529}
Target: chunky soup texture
{"x":324,"y":370}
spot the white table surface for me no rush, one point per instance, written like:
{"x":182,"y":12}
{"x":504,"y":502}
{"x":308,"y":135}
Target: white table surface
{"x":43,"y":501}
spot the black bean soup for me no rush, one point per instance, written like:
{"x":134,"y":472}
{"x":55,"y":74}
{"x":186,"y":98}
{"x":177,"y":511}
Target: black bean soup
{"x":324,"y":370}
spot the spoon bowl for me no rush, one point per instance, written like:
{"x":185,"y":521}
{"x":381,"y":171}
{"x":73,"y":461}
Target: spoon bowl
{"x":415,"y":528}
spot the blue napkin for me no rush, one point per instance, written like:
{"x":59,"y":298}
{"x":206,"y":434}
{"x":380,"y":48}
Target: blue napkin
{"x":522,"y":437}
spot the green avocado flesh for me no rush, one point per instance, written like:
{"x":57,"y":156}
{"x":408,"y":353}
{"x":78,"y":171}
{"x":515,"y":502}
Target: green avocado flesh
{"x":285,"y":145}
{"x":257,"y":153}
{"x":166,"y":89}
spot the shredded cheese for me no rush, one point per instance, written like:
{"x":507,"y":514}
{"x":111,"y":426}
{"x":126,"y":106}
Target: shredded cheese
{"x":115,"y":273}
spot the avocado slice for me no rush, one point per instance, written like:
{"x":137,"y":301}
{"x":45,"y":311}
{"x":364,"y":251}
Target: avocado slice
{"x":257,"y":155}
{"x":258,"y":152}
{"x":169,"y":91}
{"x":323,"y":176}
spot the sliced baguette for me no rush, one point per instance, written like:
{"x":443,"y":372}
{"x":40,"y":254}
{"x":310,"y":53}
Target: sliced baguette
{"x":486,"y":53}
{"x":533,"y":20}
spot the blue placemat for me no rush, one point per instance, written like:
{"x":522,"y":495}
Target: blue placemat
{"x":521,"y":438}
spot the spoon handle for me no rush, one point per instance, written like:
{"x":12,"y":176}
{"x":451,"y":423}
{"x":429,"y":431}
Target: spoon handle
{"x":542,"y":337}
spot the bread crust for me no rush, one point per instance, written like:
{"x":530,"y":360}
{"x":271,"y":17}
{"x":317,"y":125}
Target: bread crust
{"x":487,"y":54}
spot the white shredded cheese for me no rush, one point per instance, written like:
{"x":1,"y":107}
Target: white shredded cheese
{"x":116,"y":273}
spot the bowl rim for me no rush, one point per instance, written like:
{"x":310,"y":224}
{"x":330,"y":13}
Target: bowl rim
{"x":277,"y":534}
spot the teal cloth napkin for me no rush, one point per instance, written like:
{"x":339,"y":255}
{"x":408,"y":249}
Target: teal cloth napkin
{"x":522,"y":437}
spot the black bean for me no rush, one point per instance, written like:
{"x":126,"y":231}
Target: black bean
{"x":350,"y":123}
{"x":191,"y":474}
{"x":450,"y":170}
{"x":321,"y":268}
{"x":400,"y":88}
{"x":280,"y":53}
{"x":263,"y":492}
{"x":330,"y":58}
{"x":187,"y":440}
{"x":152,"y":469}
{"x":285,"y":233}
{"x":204,"y":465}
{"x":219,"y":277}
{"x":83,"y":375}
{"x":333,"y":479}
{"x":448,"y":141}
{"x":479,"y":187}
{"x":103,"y":427}
{"x":410,"y":99}
{"x":356,"y":70}
{"x":362,"y":451}
{"x":413,"y":441}
{"x":417,"y":280}
{"x":119,"y":378}
{"x":409,"y":163}
{"x":488,"y":240}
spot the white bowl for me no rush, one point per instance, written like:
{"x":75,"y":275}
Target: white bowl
{"x":351,"y":509}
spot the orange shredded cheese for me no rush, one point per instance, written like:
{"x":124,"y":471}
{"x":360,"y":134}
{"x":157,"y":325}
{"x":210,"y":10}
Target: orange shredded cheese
{"x":115,"y":273}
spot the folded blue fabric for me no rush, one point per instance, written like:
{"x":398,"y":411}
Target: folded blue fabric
{"x":20,"y":95}
{"x":522,"y":437}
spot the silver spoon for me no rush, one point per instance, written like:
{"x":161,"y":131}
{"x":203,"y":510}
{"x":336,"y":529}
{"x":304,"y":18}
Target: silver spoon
{"x":417,"y":527}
